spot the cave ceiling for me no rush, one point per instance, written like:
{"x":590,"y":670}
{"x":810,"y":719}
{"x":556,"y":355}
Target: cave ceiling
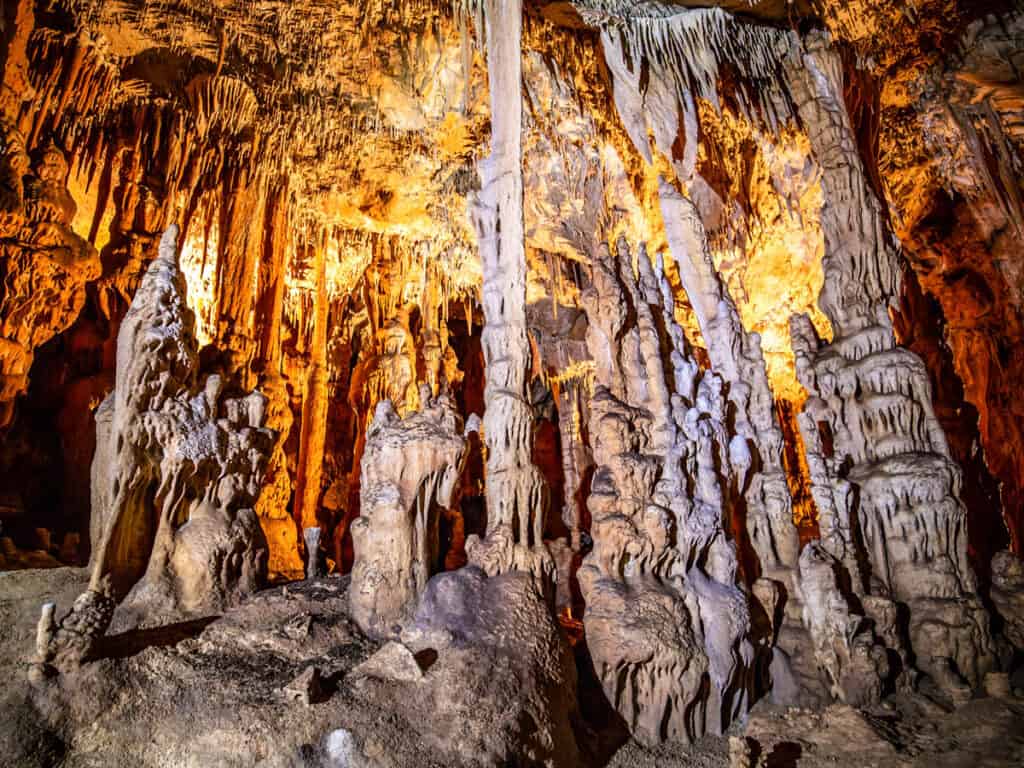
{"x":694,"y":329}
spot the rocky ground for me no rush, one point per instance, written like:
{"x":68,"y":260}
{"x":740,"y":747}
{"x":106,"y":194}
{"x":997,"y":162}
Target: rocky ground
{"x":222,"y":691}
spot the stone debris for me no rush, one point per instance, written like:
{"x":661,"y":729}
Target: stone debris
{"x":306,"y":688}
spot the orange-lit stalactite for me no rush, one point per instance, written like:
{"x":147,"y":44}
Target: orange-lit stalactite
{"x":270,"y":296}
{"x":314,"y":404}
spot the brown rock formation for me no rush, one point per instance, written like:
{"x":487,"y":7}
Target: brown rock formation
{"x":45,"y":264}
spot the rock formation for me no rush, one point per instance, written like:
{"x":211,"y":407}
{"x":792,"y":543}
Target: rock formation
{"x":650,"y":243}
{"x":854,"y":662}
{"x":175,"y":476}
{"x":665,"y":621}
{"x":516,"y":493}
{"x":1008,"y":595}
{"x":879,"y":459}
{"x":45,"y":264}
{"x":410,"y":468}
{"x":736,"y":356}
{"x":487,"y":672}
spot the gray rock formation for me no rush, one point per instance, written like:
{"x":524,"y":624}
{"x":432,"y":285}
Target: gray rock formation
{"x":878,"y":456}
{"x":485,"y":671}
{"x":1007,"y":594}
{"x":665,"y":623}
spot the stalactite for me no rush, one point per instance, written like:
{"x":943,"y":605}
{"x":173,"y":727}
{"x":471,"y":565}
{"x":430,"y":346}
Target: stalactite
{"x":662,"y":62}
{"x":314,"y":403}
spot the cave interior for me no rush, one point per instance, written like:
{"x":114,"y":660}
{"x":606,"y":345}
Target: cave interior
{"x":512,"y":383}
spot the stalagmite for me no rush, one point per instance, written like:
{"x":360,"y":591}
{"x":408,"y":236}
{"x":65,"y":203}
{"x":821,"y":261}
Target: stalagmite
{"x":664,"y":614}
{"x":575,"y":455}
{"x":314,"y":406}
{"x":272,"y":508}
{"x":854,"y":663}
{"x":311,"y":538}
{"x":736,"y":357}
{"x":173,"y":482}
{"x":686,"y":49}
{"x":871,"y":400}
{"x":410,"y":467}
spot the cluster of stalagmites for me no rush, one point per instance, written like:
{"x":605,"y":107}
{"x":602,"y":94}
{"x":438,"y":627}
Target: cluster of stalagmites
{"x":666,"y":624}
{"x":177,"y":470}
{"x":878,"y":457}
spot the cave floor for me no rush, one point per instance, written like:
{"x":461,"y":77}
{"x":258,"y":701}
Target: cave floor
{"x":211,"y":692}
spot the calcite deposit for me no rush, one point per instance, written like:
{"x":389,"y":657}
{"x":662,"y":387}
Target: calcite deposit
{"x":665,"y":616}
{"x":511,"y":383}
{"x":410,"y":474}
{"x":176,"y":471}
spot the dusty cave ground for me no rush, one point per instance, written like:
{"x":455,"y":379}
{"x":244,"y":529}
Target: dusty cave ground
{"x":221,"y":691}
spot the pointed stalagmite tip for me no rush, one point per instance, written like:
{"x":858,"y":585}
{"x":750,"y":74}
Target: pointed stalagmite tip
{"x":169,"y":244}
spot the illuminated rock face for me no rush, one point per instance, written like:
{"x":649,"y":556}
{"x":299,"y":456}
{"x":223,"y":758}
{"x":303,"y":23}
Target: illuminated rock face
{"x":45,"y":264}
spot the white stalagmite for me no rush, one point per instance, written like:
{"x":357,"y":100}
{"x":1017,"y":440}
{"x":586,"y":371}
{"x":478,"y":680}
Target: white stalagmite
{"x":886,"y":460}
{"x":664,"y":615}
{"x":410,"y":469}
{"x":736,"y":356}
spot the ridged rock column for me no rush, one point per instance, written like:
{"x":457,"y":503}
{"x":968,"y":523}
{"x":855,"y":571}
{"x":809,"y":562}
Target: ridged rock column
{"x":869,"y":421}
{"x":516,"y":492}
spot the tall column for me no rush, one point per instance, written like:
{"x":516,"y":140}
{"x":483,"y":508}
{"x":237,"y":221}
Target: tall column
{"x":736,"y":356}
{"x":240,"y":246}
{"x":314,"y":404}
{"x":516,"y":495}
{"x":869,"y":421}
{"x":270,"y":302}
